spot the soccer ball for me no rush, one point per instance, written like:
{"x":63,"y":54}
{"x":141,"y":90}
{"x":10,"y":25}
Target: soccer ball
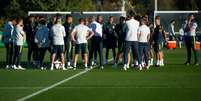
{"x":57,"y":64}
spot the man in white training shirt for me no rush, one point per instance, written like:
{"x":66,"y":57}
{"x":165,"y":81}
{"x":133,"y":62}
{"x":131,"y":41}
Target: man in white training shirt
{"x":58,"y":33}
{"x":143,"y":37}
{"x":80,"y":34}
{"x":19,"y":38}
{"x":131,"y":40}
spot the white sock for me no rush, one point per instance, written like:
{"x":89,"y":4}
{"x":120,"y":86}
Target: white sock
{"x":158,"y":62}
{"x":127,"y":65}
{"x":63,"y":65}
{"x":162,"y":62}
{"x":68,"y":63}
{"x":74,"y":64}
{"x":180,"y":44}
{"x":136,"y":63}
{"x":85,"y":65}
{"x":52,"y":65}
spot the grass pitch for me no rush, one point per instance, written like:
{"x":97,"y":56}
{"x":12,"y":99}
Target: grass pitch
{"x":174,"y":82}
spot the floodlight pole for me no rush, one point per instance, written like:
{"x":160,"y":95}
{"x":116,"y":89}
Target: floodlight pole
{"x":123,"y":8}
{"x":156,"y":5}
{"x":155,"y":10}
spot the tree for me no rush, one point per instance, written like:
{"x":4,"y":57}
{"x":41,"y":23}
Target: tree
{"x":21,"y":7}
{"x":13,"y":9}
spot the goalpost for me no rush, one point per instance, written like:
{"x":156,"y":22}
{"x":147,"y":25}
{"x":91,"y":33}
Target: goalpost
{"x":77,"y":15}
{"x":166,"y":16}
{"x":85,"y":14}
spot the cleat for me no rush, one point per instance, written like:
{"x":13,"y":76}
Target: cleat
{"x":7,"y":67}
{"x":91,"y":67}
{"x":125,"y":67}
{"x":187,"y":63}
{"x":147,"y":67}
{"x":15,"y":67}
{"x":69,"y":67}
{"x":102,"y":67}
{"x":196,"y":64}
{"x":140,"y":67}
{"x":64,"y":68}
{"x":68,"y":64}
{"x":21,"y":68}
{"x":52,"y":68}
{"x":42,"y":68}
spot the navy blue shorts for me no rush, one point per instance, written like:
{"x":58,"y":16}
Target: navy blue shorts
{"x":82,"y":47}
{"x":158,"y":46}
{"x":58,"y":49}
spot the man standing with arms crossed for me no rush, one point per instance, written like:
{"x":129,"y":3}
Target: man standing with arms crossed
{"x":68,"y":44}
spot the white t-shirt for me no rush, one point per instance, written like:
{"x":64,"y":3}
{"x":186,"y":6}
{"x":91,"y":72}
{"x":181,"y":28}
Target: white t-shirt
{"x":171,"y":30}
{"x":97,"y":28}
{"x":143,"y":32}
{"x":132,"y":27}
{"x":58,"y":33}
{"x":181,"y":31}
{"x":193,"y":31}
{"x":81,"y":33}
{"x":19,"y":35}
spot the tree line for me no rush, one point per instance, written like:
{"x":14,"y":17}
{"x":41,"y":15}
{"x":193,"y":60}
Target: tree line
{"x":21,"y":7}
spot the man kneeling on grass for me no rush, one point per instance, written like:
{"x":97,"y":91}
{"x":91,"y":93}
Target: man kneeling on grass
{"x":80,"y":34}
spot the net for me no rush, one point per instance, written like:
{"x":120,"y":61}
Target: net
{"x":77,"y":15}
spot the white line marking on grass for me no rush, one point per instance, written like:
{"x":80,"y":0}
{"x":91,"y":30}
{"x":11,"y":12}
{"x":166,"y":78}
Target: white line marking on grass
{"x":54,"y":85}
{"x":125,"y":87}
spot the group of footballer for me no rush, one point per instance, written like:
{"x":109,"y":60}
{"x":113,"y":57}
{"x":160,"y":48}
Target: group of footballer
{"x":134,"y":36}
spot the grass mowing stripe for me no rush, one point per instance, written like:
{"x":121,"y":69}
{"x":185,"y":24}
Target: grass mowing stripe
{"x":54,"y":85}
{"x":104,"y":87}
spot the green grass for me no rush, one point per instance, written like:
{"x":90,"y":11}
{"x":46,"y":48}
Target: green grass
{"x":174,"y":82}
